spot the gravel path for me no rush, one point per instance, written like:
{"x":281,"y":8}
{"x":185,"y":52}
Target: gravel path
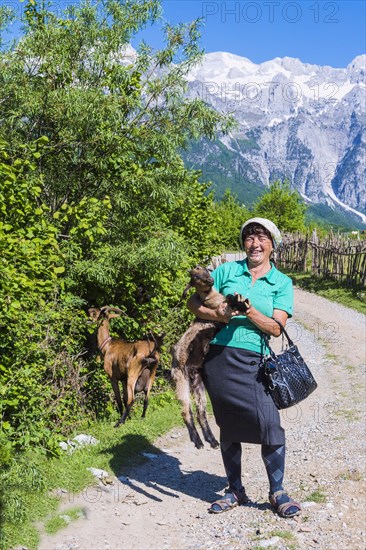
{"x":163,"y":503}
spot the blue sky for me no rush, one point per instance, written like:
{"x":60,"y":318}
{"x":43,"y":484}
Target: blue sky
{"x":323,"y":32}
{"x":320,"y":32}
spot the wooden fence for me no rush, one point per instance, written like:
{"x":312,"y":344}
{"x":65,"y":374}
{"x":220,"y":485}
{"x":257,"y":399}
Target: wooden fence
{"x":333,"y":257}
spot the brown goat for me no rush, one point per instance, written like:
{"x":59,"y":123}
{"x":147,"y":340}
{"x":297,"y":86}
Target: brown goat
{"x":189,"y":353}
{"x":132,"y":363}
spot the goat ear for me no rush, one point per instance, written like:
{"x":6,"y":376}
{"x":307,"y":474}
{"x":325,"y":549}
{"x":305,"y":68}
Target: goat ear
{"x":185,"y":291}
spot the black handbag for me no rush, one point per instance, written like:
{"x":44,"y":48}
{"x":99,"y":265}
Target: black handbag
{"x":289,"y":379}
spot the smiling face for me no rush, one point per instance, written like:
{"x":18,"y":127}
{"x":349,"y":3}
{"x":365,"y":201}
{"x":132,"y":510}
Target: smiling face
{"x":258,"y":245}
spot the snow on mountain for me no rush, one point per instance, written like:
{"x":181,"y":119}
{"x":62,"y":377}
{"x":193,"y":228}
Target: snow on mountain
{"x":304,"y":122}
{"x":228,"y":74}
{"x":357,"y":69}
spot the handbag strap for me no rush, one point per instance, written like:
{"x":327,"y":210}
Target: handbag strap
{"x":283,"y":331}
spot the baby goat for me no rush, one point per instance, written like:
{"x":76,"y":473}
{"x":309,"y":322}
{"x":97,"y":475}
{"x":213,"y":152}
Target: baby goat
{"x":132,"y":363}
{"x":189,"y":353}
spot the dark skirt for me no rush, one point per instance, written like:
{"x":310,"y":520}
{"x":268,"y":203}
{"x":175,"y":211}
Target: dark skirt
{"x":243,"y":409}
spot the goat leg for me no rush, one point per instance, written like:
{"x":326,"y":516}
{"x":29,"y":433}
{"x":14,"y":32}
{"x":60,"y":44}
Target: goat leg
{"x":192,"y":430}
{"x":124,"y":417}
{"x":199,"y":393}
{"x":146,"y":403}
{"x":130,"y":399}
{"x":127,"y":405}
{"x":184,"y":397}
{"x":148,"y":385}
{"x":125,"y":413}
{"x":134,"y":371}
{"x":117,"y":395}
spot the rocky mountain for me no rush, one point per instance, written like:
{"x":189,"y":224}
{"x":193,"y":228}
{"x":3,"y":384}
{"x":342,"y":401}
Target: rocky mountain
{"x":297,"y":121}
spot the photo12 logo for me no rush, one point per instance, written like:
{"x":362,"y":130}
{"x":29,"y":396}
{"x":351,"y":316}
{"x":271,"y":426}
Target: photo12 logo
{"x":270,"y":12}
{"x":19,"y":8}
{"x":271,"y":92}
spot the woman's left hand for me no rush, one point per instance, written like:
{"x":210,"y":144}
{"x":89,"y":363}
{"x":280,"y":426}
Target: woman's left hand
{"x":249,"y":308}
{"x":243,"y":304}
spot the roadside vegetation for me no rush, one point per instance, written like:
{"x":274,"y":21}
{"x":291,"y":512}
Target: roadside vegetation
{"x":97,"y":208}
{"x":354,"y":298}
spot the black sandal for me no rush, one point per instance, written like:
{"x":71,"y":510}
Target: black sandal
{"x":229,"y":501}
{"x":283,"y":509}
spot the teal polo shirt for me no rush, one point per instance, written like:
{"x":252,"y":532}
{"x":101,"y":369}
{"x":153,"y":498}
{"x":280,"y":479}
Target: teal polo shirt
{"x":272,"y":291}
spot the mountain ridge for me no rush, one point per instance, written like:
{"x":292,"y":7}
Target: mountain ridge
{"x":305,"y":123}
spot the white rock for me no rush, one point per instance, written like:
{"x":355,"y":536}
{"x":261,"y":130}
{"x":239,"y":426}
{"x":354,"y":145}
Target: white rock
{"x":100,"y":474}
{"x":270,"y":542}
{"x":84,"y":439}
{"x":78,"y":441}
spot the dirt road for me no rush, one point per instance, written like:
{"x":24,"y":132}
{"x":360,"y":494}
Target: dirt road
{"x":163,"y":503}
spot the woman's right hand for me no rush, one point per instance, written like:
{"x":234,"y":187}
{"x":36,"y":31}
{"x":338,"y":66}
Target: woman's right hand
{"x":222,"y":314}
{"x":225,"y":313}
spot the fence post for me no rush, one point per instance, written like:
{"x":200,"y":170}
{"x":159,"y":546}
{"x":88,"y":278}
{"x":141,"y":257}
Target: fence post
{"x":304,"y":268}
{"x":314,"y":240}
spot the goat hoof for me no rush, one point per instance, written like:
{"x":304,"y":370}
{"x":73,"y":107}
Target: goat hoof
{"x":215,"y":444}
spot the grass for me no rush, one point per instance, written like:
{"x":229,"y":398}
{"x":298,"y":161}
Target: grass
{"x":317,"y":496}
{"x":352,"y":474}
{"x":349,"y":415}
{"x":350,"y":368}
{"x":285,"y":535}
{"x":335,"y":291}
{"x":331,"y":356}
{"x":59,"y":521}
{"x":29,"y":486}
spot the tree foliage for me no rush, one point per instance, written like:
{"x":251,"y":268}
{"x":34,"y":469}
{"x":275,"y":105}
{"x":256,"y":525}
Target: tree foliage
{"x":98,"y":207}
{"x":283,"y":206}
{"x":232,"y":215}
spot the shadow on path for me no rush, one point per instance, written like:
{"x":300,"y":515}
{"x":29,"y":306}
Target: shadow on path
{"x":162,"y":474}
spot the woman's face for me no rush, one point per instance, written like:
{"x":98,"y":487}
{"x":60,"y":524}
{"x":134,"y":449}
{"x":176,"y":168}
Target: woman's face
{"x":258,"y":248}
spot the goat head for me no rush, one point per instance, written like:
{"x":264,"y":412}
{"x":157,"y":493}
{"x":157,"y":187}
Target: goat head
{"x":199,"y":277}
{"x":106,"y":312}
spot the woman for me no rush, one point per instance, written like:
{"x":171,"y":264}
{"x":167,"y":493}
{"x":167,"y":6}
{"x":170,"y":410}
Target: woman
{"x":233,"y":374}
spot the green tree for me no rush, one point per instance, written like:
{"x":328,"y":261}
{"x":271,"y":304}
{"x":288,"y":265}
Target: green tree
{"x":115,"y":122}
{"x":283,"y":206}
{"x":231,"y":215}
{"x":98,"y":205}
